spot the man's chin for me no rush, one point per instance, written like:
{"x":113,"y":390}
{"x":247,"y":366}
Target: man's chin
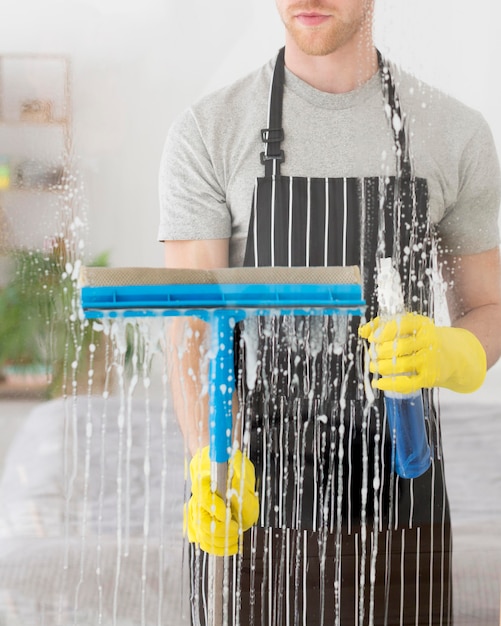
{"x":317,"y":42}
{"x":316,"y":48}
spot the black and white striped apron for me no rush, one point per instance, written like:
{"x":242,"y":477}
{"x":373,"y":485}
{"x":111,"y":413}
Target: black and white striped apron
{"x":341,"y":539}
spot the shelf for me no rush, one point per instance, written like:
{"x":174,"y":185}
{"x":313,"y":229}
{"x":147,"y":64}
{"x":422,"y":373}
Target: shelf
{"x":32,"y":190}
{"x":56,"y":122}
{"x":35,"y":162}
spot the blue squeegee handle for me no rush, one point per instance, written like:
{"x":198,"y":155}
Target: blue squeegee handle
{"x":222,"y":382}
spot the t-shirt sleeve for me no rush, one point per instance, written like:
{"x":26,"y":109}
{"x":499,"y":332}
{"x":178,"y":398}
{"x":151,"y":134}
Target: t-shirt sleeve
{"x":471,"y":224}
{"x":192,"y":199}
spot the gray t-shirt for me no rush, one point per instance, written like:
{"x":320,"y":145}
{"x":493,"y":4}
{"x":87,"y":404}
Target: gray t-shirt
{"x":211,"y":157}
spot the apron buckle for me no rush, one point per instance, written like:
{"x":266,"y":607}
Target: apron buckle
{"x":272,"y":135}
{"x":280,"y":158}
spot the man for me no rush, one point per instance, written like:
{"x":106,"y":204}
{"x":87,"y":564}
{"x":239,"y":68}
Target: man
{"x":344,"y":161}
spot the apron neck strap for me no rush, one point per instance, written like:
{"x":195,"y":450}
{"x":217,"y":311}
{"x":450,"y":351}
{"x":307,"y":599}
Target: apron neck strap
{"x":272,"y":137}
{"x":396,"y":118}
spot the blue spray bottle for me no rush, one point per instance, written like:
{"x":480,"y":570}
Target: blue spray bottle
{"x":405,"y":412}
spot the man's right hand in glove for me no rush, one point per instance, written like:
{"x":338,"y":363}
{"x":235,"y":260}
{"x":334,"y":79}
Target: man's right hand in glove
{"x":211,"y":524}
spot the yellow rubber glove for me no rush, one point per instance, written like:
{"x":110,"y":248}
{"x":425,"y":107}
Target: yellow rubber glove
{"x":409,"y":352}
{"x":213,"y":525}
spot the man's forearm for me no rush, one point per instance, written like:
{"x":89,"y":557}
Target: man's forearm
{"x":188,"y":379}
{"x":189,"y":345}
{"x":474,"y":297}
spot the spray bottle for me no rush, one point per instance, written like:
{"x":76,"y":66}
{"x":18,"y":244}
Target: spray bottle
{"x":405,"y":412}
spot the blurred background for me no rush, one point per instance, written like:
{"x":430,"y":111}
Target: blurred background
{"x":130,"y":69}
{"x":88,"y":90}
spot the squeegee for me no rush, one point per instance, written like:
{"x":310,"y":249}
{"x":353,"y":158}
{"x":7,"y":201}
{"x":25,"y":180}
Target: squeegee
{"x":221,"y":297}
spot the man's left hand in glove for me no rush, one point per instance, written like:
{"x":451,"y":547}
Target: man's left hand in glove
{"x":410,"y":352}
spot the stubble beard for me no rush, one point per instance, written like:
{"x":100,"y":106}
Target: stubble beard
{"x":322,"y":41}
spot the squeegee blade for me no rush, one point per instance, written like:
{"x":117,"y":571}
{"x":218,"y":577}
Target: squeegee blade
{"x":169,"y":292}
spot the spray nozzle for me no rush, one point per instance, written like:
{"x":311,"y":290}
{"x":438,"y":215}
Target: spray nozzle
{"x":389,"y":289}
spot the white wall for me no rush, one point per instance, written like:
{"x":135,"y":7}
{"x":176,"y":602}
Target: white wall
{"x":137,"y":64}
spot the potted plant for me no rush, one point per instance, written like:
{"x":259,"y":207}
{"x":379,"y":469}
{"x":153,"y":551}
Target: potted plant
{"x":41,"y":332}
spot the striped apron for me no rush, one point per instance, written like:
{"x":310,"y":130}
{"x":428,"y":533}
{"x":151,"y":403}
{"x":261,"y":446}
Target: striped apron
{"x":341,"y":538}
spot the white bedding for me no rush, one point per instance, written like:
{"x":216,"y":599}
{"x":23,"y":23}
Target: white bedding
{"x":52,"y":513}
